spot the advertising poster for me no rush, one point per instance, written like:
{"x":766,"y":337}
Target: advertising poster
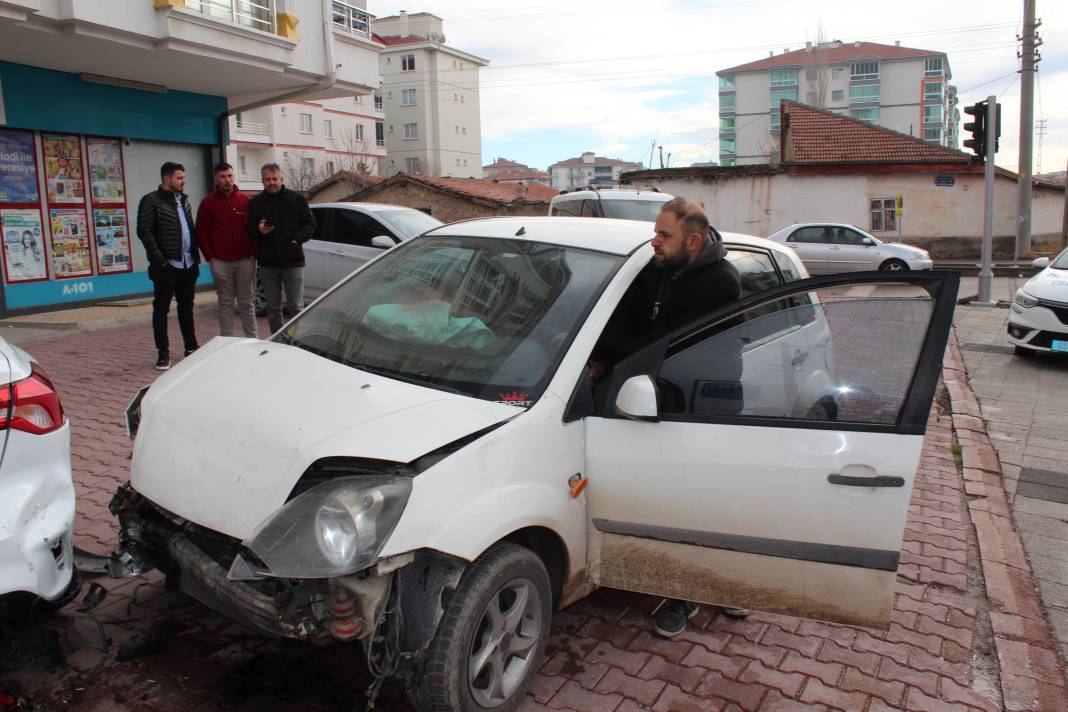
{"x":63,"y":169}
{"x":18,"y":168}
{"x":70,"y":243}
{"x":24,"y":250}
{"x":105,"y":170}
{"x":112,"y":240}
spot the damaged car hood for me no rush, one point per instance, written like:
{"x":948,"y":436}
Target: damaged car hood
{"x":226,"y":435}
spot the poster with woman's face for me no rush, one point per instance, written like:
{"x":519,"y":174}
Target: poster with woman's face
{"x":63,"y":168}
{"x":24,"y":252}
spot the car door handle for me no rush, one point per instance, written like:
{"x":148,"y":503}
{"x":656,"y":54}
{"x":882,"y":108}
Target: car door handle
{"x":836,"y":248}
{"x":878,"y":481}
{"x":792,"y":247}
{"x":335,"y":254}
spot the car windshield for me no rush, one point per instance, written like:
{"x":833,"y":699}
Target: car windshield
{"x":646,"y":210}
{"x":488,"y":318}
{"x":410,"y":223}
{"x":1061,"y":262}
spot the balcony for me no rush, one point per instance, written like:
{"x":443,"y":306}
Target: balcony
{"x":253,"y":127}
{"x":352,"y":20}
{"x":254,"y":14}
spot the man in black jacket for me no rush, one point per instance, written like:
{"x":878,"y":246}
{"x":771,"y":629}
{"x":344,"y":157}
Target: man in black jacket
{"x":165,"y":226}
{"x":280,"y":222}
{"x":689,"y":276}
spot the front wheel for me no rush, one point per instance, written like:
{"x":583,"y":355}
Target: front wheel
{"x":259,"y":299}
{"x":491,"y":639}
{"x":893,"y":266}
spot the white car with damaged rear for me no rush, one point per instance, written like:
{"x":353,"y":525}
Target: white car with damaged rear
{"x":36,"y":491}
{"x":1038,"y":320}
{"x":419,"y":464}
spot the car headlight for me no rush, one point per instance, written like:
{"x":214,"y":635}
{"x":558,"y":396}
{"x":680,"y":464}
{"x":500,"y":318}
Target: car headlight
{"x":1024,"y":299}
{"x":334,"y":529}
{"x":921,"y":255}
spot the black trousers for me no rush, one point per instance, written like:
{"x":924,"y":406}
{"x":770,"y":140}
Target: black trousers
{"x":178,"y":284}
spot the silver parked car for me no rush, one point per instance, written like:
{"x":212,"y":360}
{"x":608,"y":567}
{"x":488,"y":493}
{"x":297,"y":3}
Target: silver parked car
{"x":827,"y":248}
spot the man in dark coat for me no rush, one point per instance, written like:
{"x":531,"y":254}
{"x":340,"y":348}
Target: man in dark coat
{"x":689,"y":276}
{"x":280,"y":222}
{"x":165,"y":226}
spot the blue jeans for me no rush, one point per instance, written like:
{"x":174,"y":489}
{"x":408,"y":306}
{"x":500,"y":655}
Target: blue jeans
{"x":275,"y":280}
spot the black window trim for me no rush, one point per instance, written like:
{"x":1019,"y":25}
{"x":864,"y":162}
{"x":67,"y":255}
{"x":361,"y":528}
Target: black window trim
{"x":912,"y":416}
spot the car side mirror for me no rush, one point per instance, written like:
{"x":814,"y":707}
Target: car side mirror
{"x":1041,"y":263}
{"x":637,"y":399}
{"x":867,"y":242}
{"x":383,"y":241}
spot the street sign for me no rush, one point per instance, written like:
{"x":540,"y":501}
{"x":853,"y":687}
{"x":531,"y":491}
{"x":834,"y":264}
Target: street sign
{"x":899,"y":206}
{"x":945,"y":181}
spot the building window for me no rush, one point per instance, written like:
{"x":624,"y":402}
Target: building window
{"x":465,"y":161}
{"x":350,"y":18}
{"x":783,"y":77}
{"x":869,"y":115}
{"x":378,"y":101}
{"x":457,"y":129}
{"x":838,"y":95}
{"x":777,"y":95}
{"x":932,"y":114}
{"x":329,"y":168}
{"x":726,"y":83}
{"x":932,"y":91}
{"x":328,"y":128}
{"x":307,"y":166}
{"x":357,"y":132}
{"x":932,"y":67}
{"x":811,"y":98}
{"x":457,"y":161}
{"x":837,"y":72}
{"x":726,"y":124}
{"x":407,"y":97}
{"x":464,"y":130}
{"x":306,"y":123}
{"x":812,"y":74}
{"x":282,"y":110}
{"x":932,"y":133}
{"x":727,"y":146}
{"x":241,"y":170}
{"x":883,"y":215}
{"x":380,"y":134}
{"x":461,"y":98}
{"x":358,"y":99}
{"x":863,"y":70}
{"x":411,"y":131}
{"x":411,"y":165}
{"x":724,"y":161}
{"x":864,"y":94}
{"x":408,"y":63}
{"x":726,"y":103}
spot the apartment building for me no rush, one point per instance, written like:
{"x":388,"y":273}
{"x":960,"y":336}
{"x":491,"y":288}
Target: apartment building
{"x":504,"y":170}
{"x":901,"y":88}
{"x":589,"y":168}
{"x":95,"y":96}
{"x":430,"y":93}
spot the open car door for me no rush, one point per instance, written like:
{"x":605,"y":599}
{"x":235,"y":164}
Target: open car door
{"x":765,"y":457}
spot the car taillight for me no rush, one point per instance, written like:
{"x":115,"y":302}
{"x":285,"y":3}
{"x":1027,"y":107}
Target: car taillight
{"x":36,"y":408}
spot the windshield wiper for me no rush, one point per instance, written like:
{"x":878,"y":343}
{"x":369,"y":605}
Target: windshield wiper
{"x":397,"y":375}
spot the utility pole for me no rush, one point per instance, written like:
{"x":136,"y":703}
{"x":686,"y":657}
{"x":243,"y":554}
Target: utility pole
{"x":661,"y":156}
{"x":986,"y":272}
{"x":1027,"y":128}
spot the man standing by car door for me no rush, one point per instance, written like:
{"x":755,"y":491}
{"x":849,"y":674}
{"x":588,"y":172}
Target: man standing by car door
{"x":165,"y":226}
{"x":689,"y":276}
{"x":222,"y":233}
{"x":280,"y":222}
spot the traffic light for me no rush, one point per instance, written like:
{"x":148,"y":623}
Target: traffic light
{"x":977,"y":128}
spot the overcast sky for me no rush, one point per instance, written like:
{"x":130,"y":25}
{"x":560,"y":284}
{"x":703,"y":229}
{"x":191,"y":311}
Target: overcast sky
{"x":613,"y":77}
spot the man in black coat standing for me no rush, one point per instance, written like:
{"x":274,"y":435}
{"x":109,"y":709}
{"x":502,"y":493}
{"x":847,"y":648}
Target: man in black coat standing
{"x":689,"y":276}
{"x":165,"y":226}
{"x":280,"y":222}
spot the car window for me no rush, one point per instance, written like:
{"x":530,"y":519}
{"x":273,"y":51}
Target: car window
{"x":569,"y":208}
{"x":646,"y":210}
{"x":755,"y":269}
{"x":410,"y":223}
{"x":323,"y":218}
{"x":851,"y":237}
{"x":821,"y":362}
{"x":588,"y":209}
{"x":786,"y":266}
{"x":1061,"y":262}
{"x":351,"y":227}
{"x":487,"y":318}
{"x":814,"y":235}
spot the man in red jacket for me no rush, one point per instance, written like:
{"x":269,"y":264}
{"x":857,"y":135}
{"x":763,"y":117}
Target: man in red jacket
{"x":224,"y":241}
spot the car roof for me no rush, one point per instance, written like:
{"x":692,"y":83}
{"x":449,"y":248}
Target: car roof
{"x":619,"y":237}
{"x":819,"y":224}
{"x":381,"y":207}
{"x":618,"y":194}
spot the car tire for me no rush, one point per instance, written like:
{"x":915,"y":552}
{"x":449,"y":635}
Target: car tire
{"x":503,"y":603}
{"x":894,"y":265}
{"x":1024,"y":351}
{"x":259,"y":299}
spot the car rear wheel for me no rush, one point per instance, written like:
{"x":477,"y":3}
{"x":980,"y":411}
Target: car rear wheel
{"x":893,"y":266}
{"x":259,"y":299}
{"x":491,"y":639}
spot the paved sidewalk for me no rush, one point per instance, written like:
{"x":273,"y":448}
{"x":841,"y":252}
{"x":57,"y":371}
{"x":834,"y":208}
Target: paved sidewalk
{"x":939,"y":653}
{"x":1024,"y":402}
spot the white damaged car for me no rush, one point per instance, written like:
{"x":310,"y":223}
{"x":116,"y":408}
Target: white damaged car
{"x":36,"y":490}
{"x":419,"y":463}
{"x":1038,"y":320}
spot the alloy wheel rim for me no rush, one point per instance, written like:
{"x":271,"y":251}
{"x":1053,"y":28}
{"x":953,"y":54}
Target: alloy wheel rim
{"x":506,"y":638}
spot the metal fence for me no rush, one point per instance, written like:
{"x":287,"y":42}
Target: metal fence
{"x":352,"y":19}
{"x":255,"y":14}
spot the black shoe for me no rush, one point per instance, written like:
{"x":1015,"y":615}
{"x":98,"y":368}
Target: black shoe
{"x":672,"y":617}
{"x":164,"y":361}
{"x":737,"y":614}
{"x":189,"y":351}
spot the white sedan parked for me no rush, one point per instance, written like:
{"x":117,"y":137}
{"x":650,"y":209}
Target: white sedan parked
{"x":828,"y":248}
{"x":36,"y":490}
{"x":1038,"y":320}
{"x":420,"y":488}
